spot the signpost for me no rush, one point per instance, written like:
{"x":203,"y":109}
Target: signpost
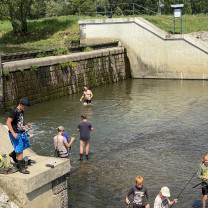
{"x":177,"y":13}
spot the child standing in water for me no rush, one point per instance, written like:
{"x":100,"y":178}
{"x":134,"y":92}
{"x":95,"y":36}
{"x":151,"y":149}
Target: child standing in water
{"x":140,"y":194}
{"x":203,"y":175}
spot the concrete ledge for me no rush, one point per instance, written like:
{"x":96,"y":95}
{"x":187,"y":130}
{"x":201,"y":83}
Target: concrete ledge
{"x":30,"y":189}
{"x":52,"y":60}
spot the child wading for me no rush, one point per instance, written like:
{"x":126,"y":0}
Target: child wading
{"x":162,"y":201}
{"x":140,"y":194}
{"x":17,"y":134}
{"x":203,"y":175}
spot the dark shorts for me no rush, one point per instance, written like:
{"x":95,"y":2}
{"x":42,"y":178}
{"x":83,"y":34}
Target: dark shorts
{"x":138,"y":206}
{"x":204,"y":188}
{"x":88,"y":101}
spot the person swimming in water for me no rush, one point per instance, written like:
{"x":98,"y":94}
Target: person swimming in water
{"x":87,"y":95}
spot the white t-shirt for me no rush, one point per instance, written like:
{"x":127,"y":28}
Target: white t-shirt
{"x":161,"y":203}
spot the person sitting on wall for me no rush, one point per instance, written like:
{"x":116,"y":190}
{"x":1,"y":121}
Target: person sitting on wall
{"x":61,"y":144}
{"x":17,"y":134}
{"x":87,"y":95}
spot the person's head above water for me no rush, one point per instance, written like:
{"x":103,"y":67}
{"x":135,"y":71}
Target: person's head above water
{"x":139,"y":181}
{"x":83,"y":116}
{"x":165,"y":192}
{"x":61,"y":128}
{"x":85,"y":88}
{"x":205,"y":159}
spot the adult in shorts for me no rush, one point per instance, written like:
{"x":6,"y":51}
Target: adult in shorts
{"x":87,"y":95}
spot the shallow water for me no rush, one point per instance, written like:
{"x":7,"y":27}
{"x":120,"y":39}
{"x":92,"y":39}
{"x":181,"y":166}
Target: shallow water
{"x":153,"y":128}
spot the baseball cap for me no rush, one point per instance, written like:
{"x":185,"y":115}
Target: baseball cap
{"x":25,"y":103}
{"x":165,"y":191}
{"x":61,"y":128}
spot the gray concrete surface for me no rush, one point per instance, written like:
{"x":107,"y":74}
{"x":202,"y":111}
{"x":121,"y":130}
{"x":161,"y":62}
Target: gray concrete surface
{"x":152,"y":52}
{"x":35,"y":189}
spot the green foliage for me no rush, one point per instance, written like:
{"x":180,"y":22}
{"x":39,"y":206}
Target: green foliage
{"x":57,"y":8}
{"x":72,"y":64}
{"x":88,"y":49}
{"x":34,"y":68}
{"x":16,"y":11}
{"x":61,"y":51}
{"x":64,"y":65}
{"x":43,"y":32}
{"x":22,"y":70}
{"x":83,"y":7}
{"x":44,"y":54}
{"x":6,"y":73}
{"x":118,"y":11}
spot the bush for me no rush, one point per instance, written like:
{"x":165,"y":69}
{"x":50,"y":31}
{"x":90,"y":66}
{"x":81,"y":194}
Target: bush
{"x":88,"y":49}
{"x":61,"y":51}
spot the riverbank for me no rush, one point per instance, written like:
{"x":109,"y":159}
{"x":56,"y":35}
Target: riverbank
{"x":56,"y":31}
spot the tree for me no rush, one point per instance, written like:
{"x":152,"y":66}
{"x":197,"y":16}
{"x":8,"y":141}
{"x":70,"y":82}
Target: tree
{"x":16,"y":11}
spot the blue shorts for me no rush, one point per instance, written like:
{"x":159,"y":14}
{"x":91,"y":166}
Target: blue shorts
{"x":21,"y":143}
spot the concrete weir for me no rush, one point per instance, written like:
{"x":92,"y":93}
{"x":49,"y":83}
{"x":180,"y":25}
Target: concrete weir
{"x":44,"y":187}
{"x":152,"y":52}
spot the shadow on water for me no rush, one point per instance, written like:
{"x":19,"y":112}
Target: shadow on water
{"x":153,"y":128}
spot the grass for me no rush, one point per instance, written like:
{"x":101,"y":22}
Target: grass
{"x":56,"y":31}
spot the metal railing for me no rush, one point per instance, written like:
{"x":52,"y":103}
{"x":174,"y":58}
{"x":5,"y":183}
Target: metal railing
{"x":131,"y":9}
{"x":118,"y":9}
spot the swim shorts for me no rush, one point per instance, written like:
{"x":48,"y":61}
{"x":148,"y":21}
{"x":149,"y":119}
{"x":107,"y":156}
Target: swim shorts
{"x":21,"y":143}
{"x":87,"y":101}
{"x":204,"y":188}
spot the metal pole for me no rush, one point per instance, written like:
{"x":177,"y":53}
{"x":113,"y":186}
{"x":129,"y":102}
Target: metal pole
{"x":159,"y":8}
{"x":174,"y":25}
{"x":1,"y":84}
{"x":133,"y":8}
{"x":181,"y":25}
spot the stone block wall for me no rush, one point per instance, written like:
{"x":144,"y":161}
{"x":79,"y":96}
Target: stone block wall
{"x":60,"y":192}
{"x":43,"y":79}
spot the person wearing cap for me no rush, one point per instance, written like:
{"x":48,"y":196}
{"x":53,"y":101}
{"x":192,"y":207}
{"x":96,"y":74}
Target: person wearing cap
{"x":17,"y":134}
{"x":162,"y":200}
{"x":61,"y":144}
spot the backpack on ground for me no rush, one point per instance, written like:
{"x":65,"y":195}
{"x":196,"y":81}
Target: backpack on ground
{"x":6,"y":167}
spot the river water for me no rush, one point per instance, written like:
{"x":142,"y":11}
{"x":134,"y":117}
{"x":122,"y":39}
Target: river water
{"x":153,"y":128}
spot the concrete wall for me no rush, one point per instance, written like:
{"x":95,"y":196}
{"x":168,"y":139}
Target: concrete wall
{"x":44,"y":79}
{"x":44,"y":187}
{"x":152,"y":52}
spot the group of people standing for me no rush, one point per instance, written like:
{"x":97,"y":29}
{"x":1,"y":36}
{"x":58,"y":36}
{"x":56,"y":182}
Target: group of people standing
{"x":61,"y":141}
{"x":20,"y":141}
{"x":62,"y":144}
{"x":141,"y":196}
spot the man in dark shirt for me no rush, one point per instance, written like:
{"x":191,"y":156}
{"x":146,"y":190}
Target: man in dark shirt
{"x":17,"y":134}
{"x":84,"y":127}
{"x":140,"y":194}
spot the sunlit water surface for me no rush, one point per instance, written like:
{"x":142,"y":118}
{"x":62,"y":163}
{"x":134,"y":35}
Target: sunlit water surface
{"x":154,"y":128}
